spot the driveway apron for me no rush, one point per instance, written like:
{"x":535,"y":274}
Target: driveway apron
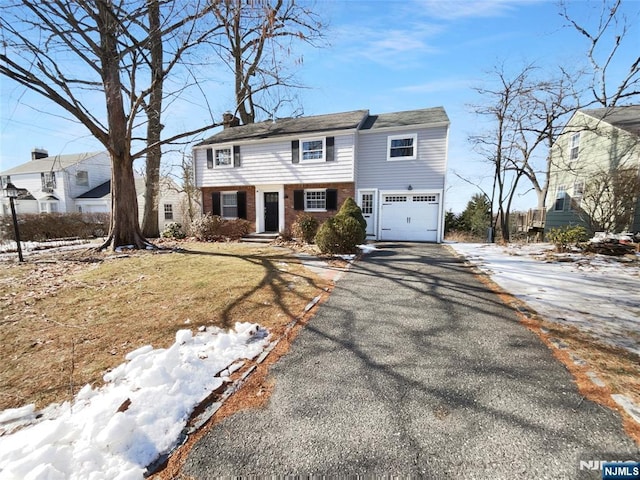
{"x":414,"y":367}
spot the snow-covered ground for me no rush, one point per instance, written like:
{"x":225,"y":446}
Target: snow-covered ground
{"x":595,"y":293}
{"x":115,"y":431}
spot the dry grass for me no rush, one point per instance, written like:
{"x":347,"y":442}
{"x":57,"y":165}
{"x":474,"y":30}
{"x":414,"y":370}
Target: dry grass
{"x":67,"y":319}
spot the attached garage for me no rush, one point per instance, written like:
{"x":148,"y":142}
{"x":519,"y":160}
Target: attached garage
{"x":412,"y":217}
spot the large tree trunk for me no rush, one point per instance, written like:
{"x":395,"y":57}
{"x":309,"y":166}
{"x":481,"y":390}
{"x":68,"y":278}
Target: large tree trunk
{"x":150,"y":227}
{"x":125,"y":228}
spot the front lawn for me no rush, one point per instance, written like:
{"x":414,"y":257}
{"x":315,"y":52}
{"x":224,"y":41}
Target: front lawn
{"x":68,"y":318}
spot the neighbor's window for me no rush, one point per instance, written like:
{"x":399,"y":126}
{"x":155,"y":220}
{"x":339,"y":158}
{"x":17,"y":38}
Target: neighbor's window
{"x":578,"y":192}
{"x":82,"y":178}
{"x":230,"y":205}
{"x":312,"y":149}
{"x":5,"y":181}
{"x":402,"y":147}
{"x":168,"y":211}
{"x":574,"y":147}
{"x":48,"y":181}
{"x":223,"y":157}
{"x":561,"y":194}
{"x":315,"y":200}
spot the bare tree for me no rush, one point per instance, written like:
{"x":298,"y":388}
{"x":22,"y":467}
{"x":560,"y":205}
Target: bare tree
{"x":605,"y":40}
{"x":610,"y":199}
{"x":257,"y":46}
{"x":67,"y":51}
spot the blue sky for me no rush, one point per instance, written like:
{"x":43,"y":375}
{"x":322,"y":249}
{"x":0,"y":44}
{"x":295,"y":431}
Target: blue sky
{"x":383,"y":56}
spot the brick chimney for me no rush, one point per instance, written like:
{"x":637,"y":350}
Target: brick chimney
{"x":229,"y":120}
{"x":38,"y":153}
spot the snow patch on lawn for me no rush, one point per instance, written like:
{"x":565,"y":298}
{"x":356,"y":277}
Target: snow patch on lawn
{"x":597,"y":294}
{"x":116,"y":431}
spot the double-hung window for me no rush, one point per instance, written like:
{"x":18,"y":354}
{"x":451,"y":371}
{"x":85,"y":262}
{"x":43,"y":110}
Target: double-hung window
{"x":402,"y":147}
{"x":230,"y":205}
{"x":561,"y":194}
{"x":574,"y":147}
{"x":312,"y":150}
{"x":168,"y":211}
{"x":315,"y":200}
{"x":223,"y":157}
{"x":48,"y":181}
{"x":578,"y":193}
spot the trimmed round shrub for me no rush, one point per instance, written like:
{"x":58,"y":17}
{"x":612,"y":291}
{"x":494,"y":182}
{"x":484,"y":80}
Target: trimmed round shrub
{"x":351,"y":208}
{"x":339,"y":234}
{"x":305,"y":227}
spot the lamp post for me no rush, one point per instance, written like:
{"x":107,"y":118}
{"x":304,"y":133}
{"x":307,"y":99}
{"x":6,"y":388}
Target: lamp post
{"x":12,"y":192}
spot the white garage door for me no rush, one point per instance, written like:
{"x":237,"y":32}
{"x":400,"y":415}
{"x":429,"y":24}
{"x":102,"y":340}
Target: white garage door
{"x":409,"y":217}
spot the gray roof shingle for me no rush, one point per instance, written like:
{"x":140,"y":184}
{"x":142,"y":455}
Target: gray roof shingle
{"x":55,"y":163}
{"x":626,"y":117}
{"x":288,"y":126}
{"x":424,"y":116}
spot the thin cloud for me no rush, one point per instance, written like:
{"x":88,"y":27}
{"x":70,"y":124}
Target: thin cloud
{"x":443,"y":85}
{"x":458,"y":9}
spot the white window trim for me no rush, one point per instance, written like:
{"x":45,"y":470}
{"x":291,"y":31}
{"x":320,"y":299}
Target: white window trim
{"x":170,"y":210}
{"x":215,"y":157}
{"x":572,"y":146}
{"x":314,"y":160}
{"x":222,"y":194}
{"x":559,"y":188}
{"x":390,"y":138}
{"x":315,"y":209}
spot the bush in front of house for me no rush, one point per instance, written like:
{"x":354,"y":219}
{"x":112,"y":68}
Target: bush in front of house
{"x":567,"y":236}
{"x":350,"y":208}
{"x":213,"y":228}
{"x":173,"y":230}
{"x":305,"y":227}
{"x":339,"y":234}
{"x":38,"y":227}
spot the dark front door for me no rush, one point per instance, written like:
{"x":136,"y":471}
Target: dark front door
{"x":271,"y":219}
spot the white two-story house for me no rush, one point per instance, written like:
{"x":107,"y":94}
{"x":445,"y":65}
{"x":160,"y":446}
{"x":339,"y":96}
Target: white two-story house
{"x":392,"y":164}
{"x":54,"y":182}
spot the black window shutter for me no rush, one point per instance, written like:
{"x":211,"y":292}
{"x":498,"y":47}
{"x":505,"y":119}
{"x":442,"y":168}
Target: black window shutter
{"x":215,"y":201}
{"x":295,"y":151}
{"x":332,"y":199}
{"x":298,"y":199}
{"x":236,"y":155}
{"x":242,"y":204}
{"x":209,"y":157}
{"x":330,"y":157}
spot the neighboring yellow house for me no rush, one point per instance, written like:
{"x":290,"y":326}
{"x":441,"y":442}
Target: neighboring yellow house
{"x":594,"y":173}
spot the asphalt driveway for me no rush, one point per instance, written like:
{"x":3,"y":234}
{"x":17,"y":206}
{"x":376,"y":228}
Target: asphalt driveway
{"x":413,"y":367}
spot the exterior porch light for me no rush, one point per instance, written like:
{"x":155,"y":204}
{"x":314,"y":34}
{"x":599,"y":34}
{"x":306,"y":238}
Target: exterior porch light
{"x":11,"y":192}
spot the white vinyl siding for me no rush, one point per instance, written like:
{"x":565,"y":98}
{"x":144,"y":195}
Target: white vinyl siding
{"x":269,"y":163}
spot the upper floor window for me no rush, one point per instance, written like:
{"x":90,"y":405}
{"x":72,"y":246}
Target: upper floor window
{"x":402,"y":147}
{"x":312,"y":149}
{"x":168,"y":211}
{"x":5,"y":180}
{"x":82,"y":178}
{"x":223,"y":157}
{"x":561,"y":194}
{"x":48,"y":181}
{"x":574,"y":147}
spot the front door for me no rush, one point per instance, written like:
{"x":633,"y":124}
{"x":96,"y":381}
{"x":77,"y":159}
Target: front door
{"x":367,"y":205}
{"x":271,"y":220}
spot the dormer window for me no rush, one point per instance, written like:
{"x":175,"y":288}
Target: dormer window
{"x":48,"y":181}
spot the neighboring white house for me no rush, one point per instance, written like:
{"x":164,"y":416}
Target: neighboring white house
{"x":392,"y":164}
{"x":53,"y":183}
{"x":79,"y":183}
